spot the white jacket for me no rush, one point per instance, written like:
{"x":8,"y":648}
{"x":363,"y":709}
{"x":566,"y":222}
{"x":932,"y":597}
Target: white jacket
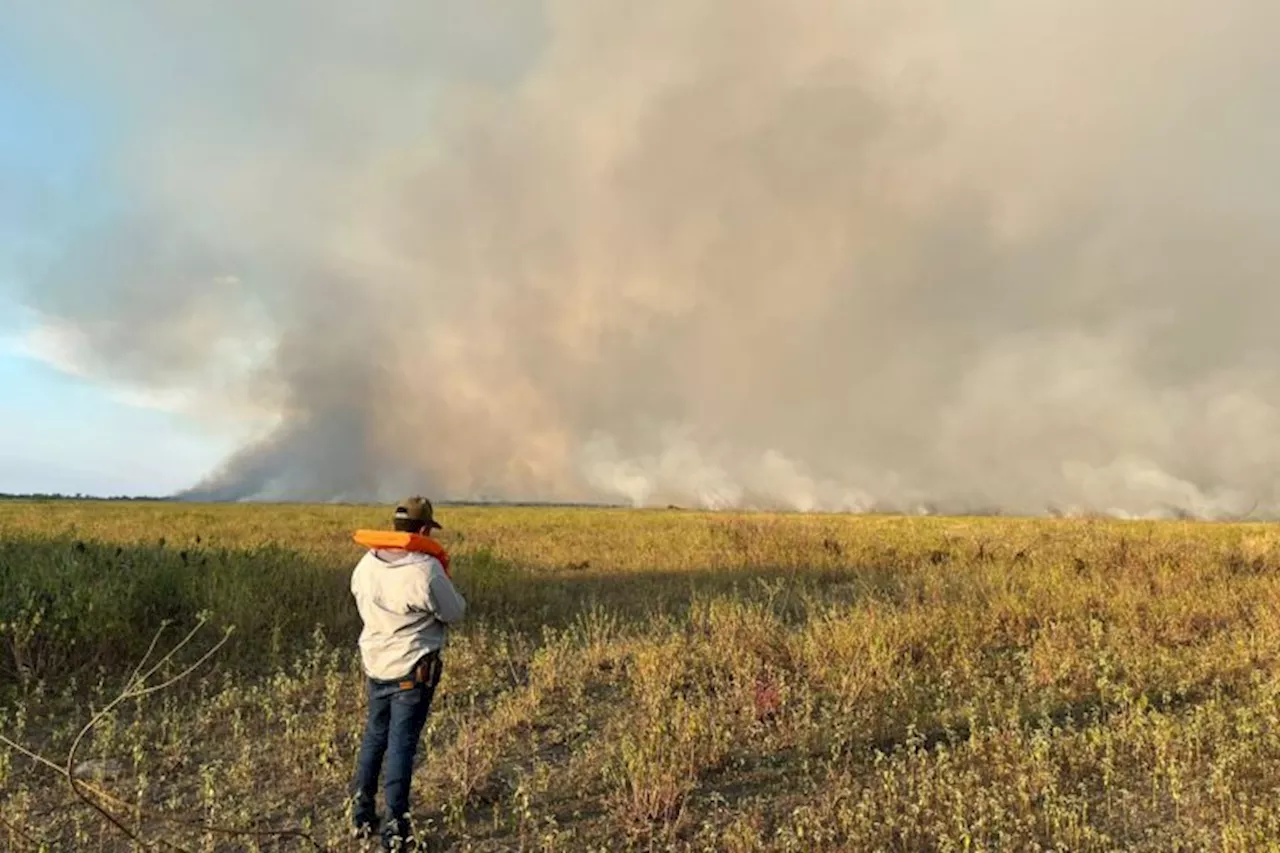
{"x":405,"y":600}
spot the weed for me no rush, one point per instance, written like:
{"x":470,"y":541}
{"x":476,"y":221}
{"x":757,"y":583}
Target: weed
{"x":656,"y":680}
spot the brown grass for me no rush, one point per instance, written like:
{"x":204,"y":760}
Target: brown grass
{"x":665,"y":680}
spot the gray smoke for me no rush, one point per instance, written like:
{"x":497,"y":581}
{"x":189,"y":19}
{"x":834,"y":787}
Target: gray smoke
{"x":966,"y":256}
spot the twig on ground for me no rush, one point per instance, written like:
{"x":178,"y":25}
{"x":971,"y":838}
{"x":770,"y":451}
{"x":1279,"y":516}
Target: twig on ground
{"x":133,"y":676}
{"x":161,"y":818}
{"x":136,"y":688}
{"x":59,"y":769}
{"x":133,"y":689}
{"x":17,"y":832}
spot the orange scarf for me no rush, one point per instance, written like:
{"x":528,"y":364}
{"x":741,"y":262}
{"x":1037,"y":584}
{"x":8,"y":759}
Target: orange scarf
{"x":406,"y":542}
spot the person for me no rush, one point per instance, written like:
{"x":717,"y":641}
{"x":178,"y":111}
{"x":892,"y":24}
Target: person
{"x":407,"y":601}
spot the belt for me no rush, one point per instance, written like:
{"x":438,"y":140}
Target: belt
{"x":421,"y":672}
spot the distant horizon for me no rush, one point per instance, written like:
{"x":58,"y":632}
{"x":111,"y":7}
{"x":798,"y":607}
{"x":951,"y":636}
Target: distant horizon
{"x":175,"y":498}
{"x":886,"y":512}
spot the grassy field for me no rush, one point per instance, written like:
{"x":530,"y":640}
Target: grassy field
{"x":653,"y":681}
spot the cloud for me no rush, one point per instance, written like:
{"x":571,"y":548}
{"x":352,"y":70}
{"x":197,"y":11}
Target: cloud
{"x":67,"y":350}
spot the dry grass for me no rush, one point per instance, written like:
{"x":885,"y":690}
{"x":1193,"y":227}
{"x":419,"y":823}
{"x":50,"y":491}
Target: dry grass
{"x":663,"y":680}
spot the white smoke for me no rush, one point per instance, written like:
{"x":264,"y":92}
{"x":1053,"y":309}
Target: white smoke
{"x":867,"y":255}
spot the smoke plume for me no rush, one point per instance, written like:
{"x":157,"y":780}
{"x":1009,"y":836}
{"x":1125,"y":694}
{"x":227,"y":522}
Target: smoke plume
{"x":851,"y":255}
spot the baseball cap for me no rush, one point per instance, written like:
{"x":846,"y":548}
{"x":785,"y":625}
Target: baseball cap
{"x":417,"y":508}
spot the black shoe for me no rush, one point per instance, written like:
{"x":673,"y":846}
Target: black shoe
{"x":398,"y":835}
{"x":364,"y":819}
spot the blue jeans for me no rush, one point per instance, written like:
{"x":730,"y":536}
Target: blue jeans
{"x":396,"y":716}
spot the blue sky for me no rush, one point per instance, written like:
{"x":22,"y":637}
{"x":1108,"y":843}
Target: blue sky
{"x":59,"y":432}
{"x":63,"y":434}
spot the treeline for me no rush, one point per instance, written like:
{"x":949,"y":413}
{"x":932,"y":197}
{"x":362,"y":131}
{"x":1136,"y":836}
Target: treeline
{"x":58,"y":496}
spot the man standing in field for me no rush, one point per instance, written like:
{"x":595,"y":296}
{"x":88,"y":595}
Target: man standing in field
{"x":406,"y":600}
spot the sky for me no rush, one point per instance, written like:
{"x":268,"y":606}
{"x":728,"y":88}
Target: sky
{"x":62,"y":431}
{"x":910,"y":255}
{"x":68,"y":435}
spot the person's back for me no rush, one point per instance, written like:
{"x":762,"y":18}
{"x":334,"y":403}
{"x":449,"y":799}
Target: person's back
{"x":406,"y":601}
